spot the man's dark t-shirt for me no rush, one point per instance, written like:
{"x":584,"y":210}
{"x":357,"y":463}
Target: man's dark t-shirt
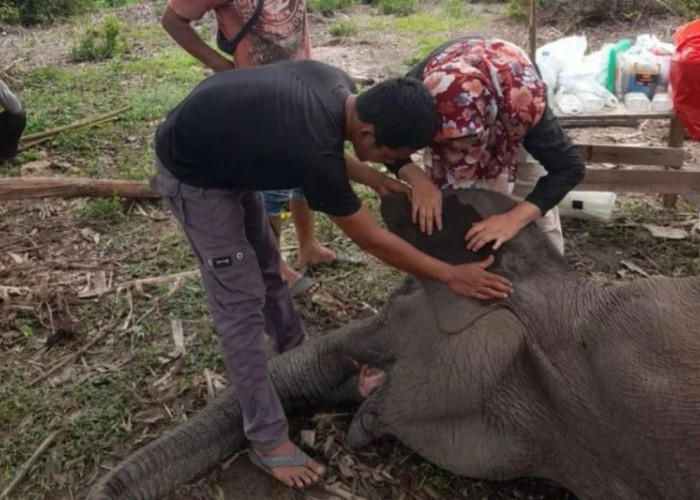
{"x":265,"y":128}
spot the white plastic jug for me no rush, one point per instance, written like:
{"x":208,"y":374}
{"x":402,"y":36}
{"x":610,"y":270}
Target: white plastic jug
{"x":591,"y":205}
{"x":569,"y":104}
{"x":637,"y":101}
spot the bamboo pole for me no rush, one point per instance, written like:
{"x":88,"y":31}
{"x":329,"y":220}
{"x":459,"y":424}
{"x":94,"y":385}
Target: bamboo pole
{"x":72,"y":187}
{"x":532,"y":28}
{"x":26,"y":466}
{"x":90,"y":120}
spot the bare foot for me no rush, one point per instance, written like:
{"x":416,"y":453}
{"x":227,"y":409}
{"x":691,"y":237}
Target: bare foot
{"x":314,"y":253}
{"x":290,"y":275}
{"x":296,"y":476}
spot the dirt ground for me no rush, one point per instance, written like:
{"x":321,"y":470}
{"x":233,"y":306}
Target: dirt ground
{"x":70,"y":296}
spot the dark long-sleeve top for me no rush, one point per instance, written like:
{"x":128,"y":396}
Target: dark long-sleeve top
{"x":546,"y":142}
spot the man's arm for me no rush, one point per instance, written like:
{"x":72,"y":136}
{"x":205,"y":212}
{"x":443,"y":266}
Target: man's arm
{"x":181,"y":31}
{"x":470,"y":280}
{"x":364,"y":174}
{"x":8,"y":100}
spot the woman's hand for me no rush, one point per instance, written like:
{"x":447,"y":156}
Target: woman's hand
{"x":426,"y":205}
{"x":426,"y":198}
{"x":501,"y":228}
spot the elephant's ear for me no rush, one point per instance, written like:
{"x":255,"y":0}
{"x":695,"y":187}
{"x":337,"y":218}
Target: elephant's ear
{"x":453,"y":312}
{"x":447,"y":245}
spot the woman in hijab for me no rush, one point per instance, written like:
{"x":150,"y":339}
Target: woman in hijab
{"x":490,"y":101}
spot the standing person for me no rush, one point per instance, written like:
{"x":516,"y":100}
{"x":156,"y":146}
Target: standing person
{"x":490,"y":101}
{"x":257,"y":32}
{"x":12,"y":123}
{"x":276,"y":127}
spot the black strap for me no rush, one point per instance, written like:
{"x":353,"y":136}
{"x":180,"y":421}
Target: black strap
{"x":229,"y":46}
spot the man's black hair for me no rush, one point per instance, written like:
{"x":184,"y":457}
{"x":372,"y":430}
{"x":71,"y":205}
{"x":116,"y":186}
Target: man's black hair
{"x":402,"y":112}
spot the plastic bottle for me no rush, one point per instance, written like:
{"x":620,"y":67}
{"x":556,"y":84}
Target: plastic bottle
{"x":549,"y":73}
{"x":620,"y":47}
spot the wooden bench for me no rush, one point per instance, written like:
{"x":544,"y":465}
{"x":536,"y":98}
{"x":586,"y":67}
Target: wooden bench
{"x":669,"y":182}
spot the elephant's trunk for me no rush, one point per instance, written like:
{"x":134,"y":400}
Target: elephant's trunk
{"x":312,"y":374}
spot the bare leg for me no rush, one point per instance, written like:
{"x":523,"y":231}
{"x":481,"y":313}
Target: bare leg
{"x":289,"y":274}
{"x":310,"y":250}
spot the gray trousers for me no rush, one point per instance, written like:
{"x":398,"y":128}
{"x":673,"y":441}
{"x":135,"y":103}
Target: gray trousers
{"x":230,"y":235}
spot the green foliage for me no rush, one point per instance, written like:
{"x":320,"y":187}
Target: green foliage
{"x":343,"y":28}
{"x":456,"y":9}
{"x":397,"y":7}
{"x":103,"y":210}
{"x":691,"y":8}
{"x":328,"y":7}
{"x":515,"y":10}
{"x":103,"y":42}
{"x":40,"y":11}
{"x":425,"y":45}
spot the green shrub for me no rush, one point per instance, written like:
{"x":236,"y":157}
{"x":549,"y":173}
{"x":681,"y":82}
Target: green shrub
{"x":328,"y":7}
{"x":343,"y":28}
{"x":691,"y":8}
{"x":397,"y":7}
{"x":103,"y":42}
{"x":40,"y":11}
{"x":456,"y":9}
{"x":515,"y":10}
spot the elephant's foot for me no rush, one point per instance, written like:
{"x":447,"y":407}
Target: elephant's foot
{"x":368,"y":379}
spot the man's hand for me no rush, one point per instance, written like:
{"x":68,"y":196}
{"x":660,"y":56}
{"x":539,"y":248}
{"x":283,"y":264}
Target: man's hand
{"x":426,"y":205}
{"x":501,"y":228}
{"x":474,"y":281}
{"x":385,"y":185}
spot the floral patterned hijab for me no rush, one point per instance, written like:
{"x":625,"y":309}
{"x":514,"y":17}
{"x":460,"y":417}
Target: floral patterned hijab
{"x":488,"y":94}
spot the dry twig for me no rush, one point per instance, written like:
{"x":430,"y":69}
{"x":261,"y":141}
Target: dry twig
{"x":101,"y":333}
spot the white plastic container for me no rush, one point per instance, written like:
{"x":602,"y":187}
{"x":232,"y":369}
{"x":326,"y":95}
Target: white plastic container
{"x":591,"y":205}
{"x":569,"y":104}
{"x":661,"y":102}
{"x":591,"y":102}
{"x":637,"y":101}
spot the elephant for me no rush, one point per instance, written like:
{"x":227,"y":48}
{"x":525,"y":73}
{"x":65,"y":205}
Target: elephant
{"x":596,"y":387}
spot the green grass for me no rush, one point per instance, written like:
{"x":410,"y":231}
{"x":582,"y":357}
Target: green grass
{"x":425,"y":45}
{"x":151,"y":85}
{"x":423,"y":23}
{"x":343,"y":28}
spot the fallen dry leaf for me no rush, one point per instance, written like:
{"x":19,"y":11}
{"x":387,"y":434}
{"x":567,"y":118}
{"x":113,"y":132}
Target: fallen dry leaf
{"x":634,"y":267}
{"x":671,"y":233}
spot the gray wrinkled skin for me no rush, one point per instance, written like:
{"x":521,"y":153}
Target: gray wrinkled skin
{"x":596,"y":388}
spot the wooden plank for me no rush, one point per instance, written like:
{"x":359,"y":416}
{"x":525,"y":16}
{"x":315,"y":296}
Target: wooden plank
{"x":615,"y":114}
{"x":632,"y":155}
{"x":72,"y":187}
{"x":676,"y":135}
{"x":641,"y":181}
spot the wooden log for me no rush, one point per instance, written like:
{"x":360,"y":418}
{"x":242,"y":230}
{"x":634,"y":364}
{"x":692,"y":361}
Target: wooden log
{"x":676,"y":135}
{"x":72,"y":187}
{"x":641,"y":181}
{"x":632,"y":155}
